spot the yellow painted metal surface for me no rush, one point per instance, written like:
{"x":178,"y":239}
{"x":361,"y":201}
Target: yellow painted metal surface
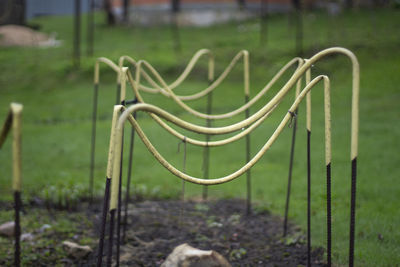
{"x":14,"y":122}
{"x":249,"y":124}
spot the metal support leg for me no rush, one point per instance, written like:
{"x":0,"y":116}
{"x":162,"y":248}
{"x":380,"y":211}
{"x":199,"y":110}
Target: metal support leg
{"x":352,"y":210}
{"x":110,"y":238}
{"x":290,"y":174}
{"x":128,"y":183}
{"x":248,"y":173}
{"x":206,"y":153}
{"x":17,"y":251}
{"x":93,"y":142}
{"x":308,"y":198}
{"x":106,"y":201}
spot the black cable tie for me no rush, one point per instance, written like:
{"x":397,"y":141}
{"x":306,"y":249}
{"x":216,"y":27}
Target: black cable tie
{"x":128,"y":102}
{"x":182,"y":142}
{"x":293,"y":115}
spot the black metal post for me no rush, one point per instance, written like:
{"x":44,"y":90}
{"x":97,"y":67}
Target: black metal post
{"x":184,"y":169}
{"x":294,"y":118}
{"x":263,"y":22}
{"x":329,"y":214}
{"x":93,"y":142}
{"x":206,"y":151}
{"x":106,"y":201}
{"x":17,"y":232}
{"x":175,"y":8}
{"x":126,"y":11}
{"x":248,"y":173}
{"x":241,"y":3}
{"x":128,"y":182}
{"x":299,"y":27}
{"x":90,"y":29}
{"x":352,"y":210}
{"x":77,"y":33}
{"x":118,"y":95}
{"x":183,"y":183}
{"x":308,"y":198}
{"x":119,"y":205}
{"x":111,"y":237}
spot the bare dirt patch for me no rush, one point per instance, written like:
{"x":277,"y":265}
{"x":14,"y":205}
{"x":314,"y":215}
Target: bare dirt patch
{"x":14,"y":35}
{"x":155,"y":228}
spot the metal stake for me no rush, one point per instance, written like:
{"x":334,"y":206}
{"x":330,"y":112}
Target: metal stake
{"x":17,"y":252}
{"x":110,"y":238}
{"x":248,"y":173}
{"x":93,"y":143}
{"x":290,"y":173}
{"x":106,"y":201}
{"x":206,"y":151}
{"x":128,"y":182}
{"x":308,"y":198}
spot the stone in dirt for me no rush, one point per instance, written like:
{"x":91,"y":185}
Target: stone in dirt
{"x":7,"y":229}
{"x":76,"y":251}
{"x":187,"y":256}
{"x":27,"y":237}
{"x":44,"y":228}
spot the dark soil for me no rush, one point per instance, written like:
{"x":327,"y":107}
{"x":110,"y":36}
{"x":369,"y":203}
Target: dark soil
{"x":155,"y":228}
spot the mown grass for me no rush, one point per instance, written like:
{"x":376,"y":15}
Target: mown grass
{"x":57,"y":118}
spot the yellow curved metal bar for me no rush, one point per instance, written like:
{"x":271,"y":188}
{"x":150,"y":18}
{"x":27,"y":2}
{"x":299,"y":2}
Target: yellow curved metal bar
{"x":327,"y":111}
{"x":230,"y":139}
{"x":183,"y":75}
{"x":109,"y":63}
{"x":126,"y":115}
{"x":114,"y":67}
{"x":213,"y":143}
{"x":14,"y":121}
{"x":116,"y":114}
{"x":217,"y":142}
{"x":308,"y":101}
{"x":225,"y":73}
{"x":188,"y":69}
{"x":293,"y":79}
{"x":238,"y":136}
{"x":135,"y":82}
{"x":154,"y":90}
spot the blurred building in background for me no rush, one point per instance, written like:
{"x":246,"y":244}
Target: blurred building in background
{"x":19,"y":11}
{"x":195,"y":12}
{"x":188,"y":12}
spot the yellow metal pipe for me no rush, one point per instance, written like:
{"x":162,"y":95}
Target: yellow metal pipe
{"x":126,"y":115}
{"x":294,"y":78}
{"x":14,"y":122}
{"x":16,"y":110}
{"x":161,"y":88}
{"x":136,"y":82}
{"x":327,"y":111}
{"x":109,"y":63}
{"x":308,"y":101}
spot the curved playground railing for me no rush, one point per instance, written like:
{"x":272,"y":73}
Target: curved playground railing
{"x":166,"y":89}
{"x":157,"y":89}
{"x":121,"y":93}
{"x":208,"y":116}
{"x":114,"y":160}
{"x":14,"y":122}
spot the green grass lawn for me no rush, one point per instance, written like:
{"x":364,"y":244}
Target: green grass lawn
{"x":57,"y":119}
